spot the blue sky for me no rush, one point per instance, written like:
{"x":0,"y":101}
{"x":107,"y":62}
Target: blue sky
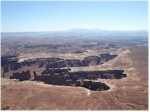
{"x":54,"y":16}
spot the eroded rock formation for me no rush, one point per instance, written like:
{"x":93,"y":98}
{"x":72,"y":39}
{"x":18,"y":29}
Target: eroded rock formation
{"x":59,"y":76}
{"x":96,"y":86}
{"x":21,"y":76}
{"x":11,"y":63}
{"x":57,"y":73}
{"x":91,"y":60}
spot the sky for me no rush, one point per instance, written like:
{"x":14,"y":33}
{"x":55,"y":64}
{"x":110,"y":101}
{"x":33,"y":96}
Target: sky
{"x":57,"y":15}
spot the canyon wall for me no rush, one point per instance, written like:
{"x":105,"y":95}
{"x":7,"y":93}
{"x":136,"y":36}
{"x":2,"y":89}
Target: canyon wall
{"x":12,"y":64}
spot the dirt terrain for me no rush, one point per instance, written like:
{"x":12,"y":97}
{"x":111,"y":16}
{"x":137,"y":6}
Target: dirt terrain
{"x":129,"y":93}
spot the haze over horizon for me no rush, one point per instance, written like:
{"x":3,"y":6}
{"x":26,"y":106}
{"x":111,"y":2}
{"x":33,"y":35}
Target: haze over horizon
{"x":78,"y":30}
{"x":42,"y":16}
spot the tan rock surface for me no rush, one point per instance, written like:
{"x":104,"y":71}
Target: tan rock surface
{"x":130,"y":93}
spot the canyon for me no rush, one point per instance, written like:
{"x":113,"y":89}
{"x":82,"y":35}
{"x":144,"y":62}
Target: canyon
{"x":128,"y":93}
{"x":92,"y":73}
{"x":57,"y":73}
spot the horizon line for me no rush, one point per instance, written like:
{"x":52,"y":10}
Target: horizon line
{"x":70,"y":30}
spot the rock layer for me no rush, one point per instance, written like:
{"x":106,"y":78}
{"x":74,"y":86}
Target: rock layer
{"x":21,"y":76}
{"x":9,"y":64}
{"x":82,"y":78}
